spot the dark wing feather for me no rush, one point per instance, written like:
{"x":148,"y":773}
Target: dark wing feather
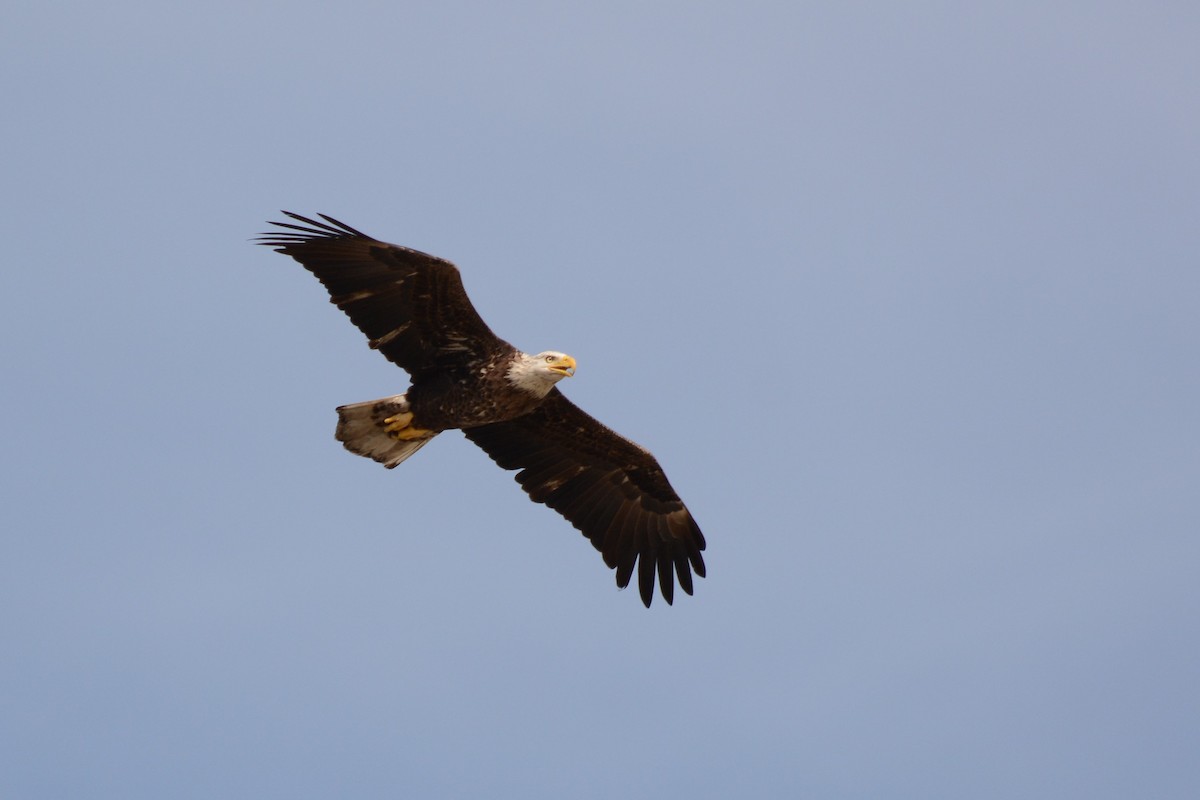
{"x":411,"y":305}
{"x":606,"y":486}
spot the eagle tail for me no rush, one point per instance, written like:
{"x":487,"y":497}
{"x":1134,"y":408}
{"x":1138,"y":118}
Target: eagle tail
{"x":379,"y":430}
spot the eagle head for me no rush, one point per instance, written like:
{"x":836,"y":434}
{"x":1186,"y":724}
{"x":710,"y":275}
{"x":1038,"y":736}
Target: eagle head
{"x":538,"y":374}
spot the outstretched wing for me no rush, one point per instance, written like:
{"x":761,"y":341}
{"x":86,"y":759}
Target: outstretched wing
{"x":411,"y":305}
{"x":606,"y":486}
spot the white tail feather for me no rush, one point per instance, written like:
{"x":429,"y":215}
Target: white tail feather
{"x":360,"y":430}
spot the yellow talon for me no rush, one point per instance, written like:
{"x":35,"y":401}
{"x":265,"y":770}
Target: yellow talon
{"x":400,"y":427}
{"x":408,"y":434}
{"x":397,"y":423}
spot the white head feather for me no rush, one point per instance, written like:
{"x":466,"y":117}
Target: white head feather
{"x":538,"y":374}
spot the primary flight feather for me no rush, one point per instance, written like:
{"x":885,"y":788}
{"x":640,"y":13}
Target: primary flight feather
{"x":413,"y":309}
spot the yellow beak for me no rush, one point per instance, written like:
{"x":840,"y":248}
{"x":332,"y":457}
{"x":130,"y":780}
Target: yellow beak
{"x":565,"y":365}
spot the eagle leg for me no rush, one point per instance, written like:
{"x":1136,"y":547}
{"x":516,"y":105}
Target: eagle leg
{"x":399,"y":426}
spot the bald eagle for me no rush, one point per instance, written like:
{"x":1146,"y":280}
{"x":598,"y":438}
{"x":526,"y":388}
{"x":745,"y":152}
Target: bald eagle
{"x":413,"y":309}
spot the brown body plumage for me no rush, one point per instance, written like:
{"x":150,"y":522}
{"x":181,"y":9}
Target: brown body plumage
{"x":414,"y":310}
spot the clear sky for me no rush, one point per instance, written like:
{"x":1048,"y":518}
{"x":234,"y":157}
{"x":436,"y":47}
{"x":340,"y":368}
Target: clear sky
{"x":904,"y":296}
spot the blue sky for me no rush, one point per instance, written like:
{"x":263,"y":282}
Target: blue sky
{"x":904,"y":297}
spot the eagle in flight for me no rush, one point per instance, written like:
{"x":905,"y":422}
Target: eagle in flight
{"x":413,"y":309}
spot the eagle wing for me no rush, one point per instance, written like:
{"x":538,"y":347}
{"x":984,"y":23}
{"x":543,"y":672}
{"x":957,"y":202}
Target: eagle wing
{"x":609,"y":488}
{"x":411,"y":305}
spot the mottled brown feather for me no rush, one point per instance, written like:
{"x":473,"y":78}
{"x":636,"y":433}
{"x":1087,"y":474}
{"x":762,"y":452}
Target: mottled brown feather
{"x":609,"y":488}
{"x":382,"y":287}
